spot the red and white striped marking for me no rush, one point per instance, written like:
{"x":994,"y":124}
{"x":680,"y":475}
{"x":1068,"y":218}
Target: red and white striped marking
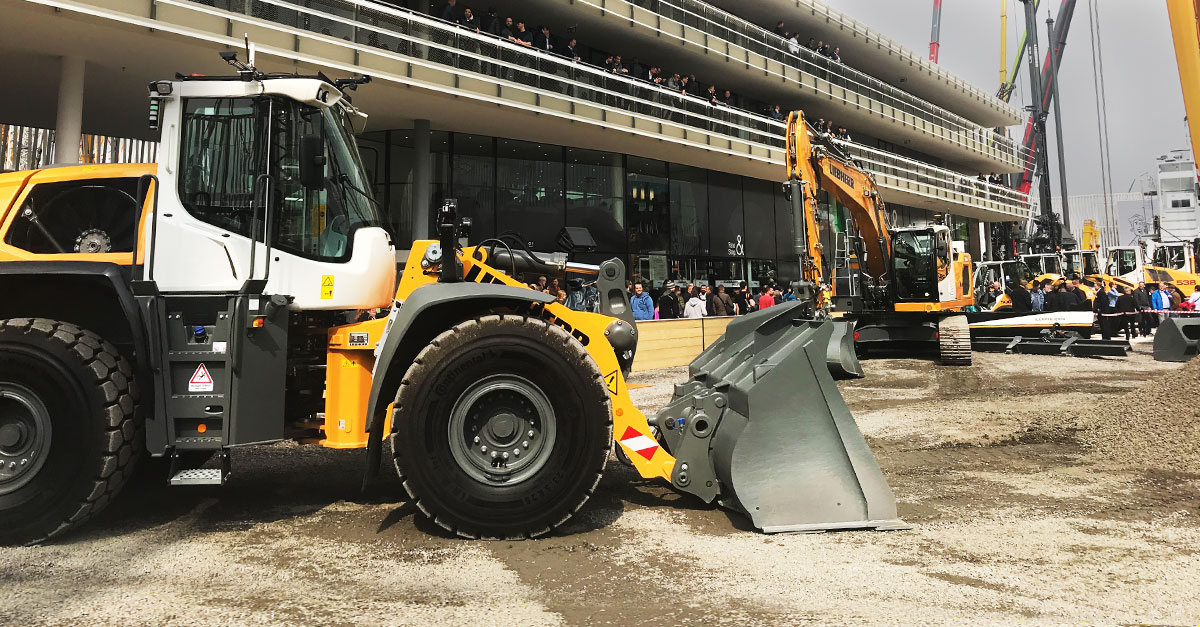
{"x":638,"y":443}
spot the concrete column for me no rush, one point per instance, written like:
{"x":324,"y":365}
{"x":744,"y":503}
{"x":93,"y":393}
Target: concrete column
{"x":68,"y":130}
{"x":422,"y":181}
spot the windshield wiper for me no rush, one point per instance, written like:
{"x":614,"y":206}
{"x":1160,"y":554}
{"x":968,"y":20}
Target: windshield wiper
{"x":345,"y":180}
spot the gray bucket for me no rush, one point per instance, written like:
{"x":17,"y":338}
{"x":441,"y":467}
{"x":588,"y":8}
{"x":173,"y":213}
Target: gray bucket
{"x":840,"y":355}
{"x":762,"y":429}
{"x":1177,"y":339}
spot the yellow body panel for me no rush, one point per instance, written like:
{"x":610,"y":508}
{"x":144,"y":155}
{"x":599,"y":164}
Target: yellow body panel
{"x":1185,"y":31}
{"x":349,"y":361}
{"x":16,"y":186}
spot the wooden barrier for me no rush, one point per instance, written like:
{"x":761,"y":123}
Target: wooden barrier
{"x":668,"y":343}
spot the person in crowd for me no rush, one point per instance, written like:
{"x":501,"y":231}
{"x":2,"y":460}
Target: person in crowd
{"x":727,"y":304}
{"x":711,"y":95}
{"x":1075,"y":299}
{"x":793,"y":44}
{"x":492,"y":22}
{"x":1194,"y":299}
{"x":829,"y":127}
{"x":693,"y":88}
{"x":449,"y":11}
{"x":555,"y":285}
{"x":468,"y":20}
{"x":995,"y":179}
{"x":694,"y":308}
{"x":767,"y":299}
{"x":673,"y":83}
{"x":1102,"y":308}
{"x":561,"y":298}
{"x":812,"y":44}
{"x":780,"y":30}
{"x":820,"y":46}
{"x":1161,"y":301}
{"x":684,"y":85}
{"x":1022,"y":300}
{"x":507,"y":30}
{"x":776,"y":113}
{"x":708,"y":294}
{"x":544,"y":40}
{"x":1127,"y":307}
{"x":571,"y":50}
{"x":668,"y":302}
{"x":1037,"y":298}
{"x":836,"y":55}
{"x":641,"y":303}
{"x":843,"y":134}
{"x":1177,"y":299}
{"x":522,"y":37}
{"x":824,"y":51}
{"x":727,"y":98}
{"x":617,"y":67}
{"x":543,"y":283}
{"x":995,"y":291}
{"x":1048,"y":298}
{"x":1142,"y":297}
{"x":629,"y":289}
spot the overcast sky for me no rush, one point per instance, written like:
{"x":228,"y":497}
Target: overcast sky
{"x":1145,"y":101}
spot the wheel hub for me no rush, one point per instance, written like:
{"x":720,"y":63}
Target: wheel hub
{"x":24,"y":436}
{"x":93,"y":241}
{"x":502,"y":429}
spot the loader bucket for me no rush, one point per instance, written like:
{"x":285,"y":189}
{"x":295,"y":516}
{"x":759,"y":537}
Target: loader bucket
{"x":1177,"y":339}
{"x":762,"y":429}
{"x":840,"y":355}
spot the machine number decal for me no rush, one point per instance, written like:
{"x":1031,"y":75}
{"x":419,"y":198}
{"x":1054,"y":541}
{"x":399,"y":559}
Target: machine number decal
{"x":359,"y":339}
{"x":611,"y":380}
{"x":201,"y":381}
{"x":326,"y":286}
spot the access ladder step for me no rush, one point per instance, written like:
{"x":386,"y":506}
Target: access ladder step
{"x":199,"y":476}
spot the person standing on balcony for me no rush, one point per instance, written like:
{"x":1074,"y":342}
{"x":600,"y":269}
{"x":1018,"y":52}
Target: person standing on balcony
{"x":544,"y":40}
{"x":449,"y":12}
{"x":776,"y":114}
{"x":523,"y":36}
{"x":674,"y":83}
{"x":812,"y":44}
{"x":780,"y":30}
{"x":824,"y":50}
{"x":711,"y":94}
{"x":571,"y":50}
{"x":793,"y":44}
{"x":817,"y":48}
{"x":836,"y":55}
{"x":469,"y":21}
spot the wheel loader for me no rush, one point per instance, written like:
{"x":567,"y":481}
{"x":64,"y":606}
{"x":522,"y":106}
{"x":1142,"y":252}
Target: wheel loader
{"x":242,"y":291}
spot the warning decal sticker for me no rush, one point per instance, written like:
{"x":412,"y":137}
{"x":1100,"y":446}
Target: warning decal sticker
{"x":201,"y":381}
{"x":611,"y":380}
{"x":326,"y":286}
{"x":638,"y":443}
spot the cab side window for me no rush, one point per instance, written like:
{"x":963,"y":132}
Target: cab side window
{"x":221,"y":155}
{"x":87,"y":216}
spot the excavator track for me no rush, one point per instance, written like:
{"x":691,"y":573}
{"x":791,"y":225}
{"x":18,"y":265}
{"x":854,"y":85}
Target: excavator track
{"x":954,"y":341}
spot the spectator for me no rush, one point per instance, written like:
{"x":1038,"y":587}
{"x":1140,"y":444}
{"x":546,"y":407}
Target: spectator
{"x":780,"y":30}
{"x":468,"y":20}
{"x":629,"y":289}
{"x":836,"y":55}
{"x":793,"y":44}
{"x":843,"y":134}
{"x":1075,"y":299}
{"x":507,"y":30}
{"x":1194,"y":299}
{"x":812,"y":44}
{"x":1127,"y":307}
{"x":641,"y":303}
{"x":522,"y":37}
{"x":1049,"y":298}
{"x":726,"y":98}
{"x":694,"y":308}
{"x":1022,"y":300}
{"x":722,"y":305}
{"x":819,"y":45}
{"x":449,"y":12}
{"x":668,"y":303}
{"x":1101,"y":306}
{"x":1037,"y":298}
{"x":544,"y":40}
{"x":995,"y":179}
{"x":767,"y":299}
{"x":617,"y":67}
{"x":684,"y":85}
{"x":711,"y":94}
{"x":542,"y":283}
{"x":571,"y":50}
{"x":1141,"y":296}
{"x":674,"y":83}
{"x":693,"y":86}
{"x":562,"y":297}
{"x":709,"y":296}
{"x":824,"y":50}
{"x":776,"y":113}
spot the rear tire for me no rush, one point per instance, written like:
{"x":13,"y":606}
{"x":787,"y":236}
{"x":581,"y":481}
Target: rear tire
{"x":496,"y":380}
{"x":69,"y":416}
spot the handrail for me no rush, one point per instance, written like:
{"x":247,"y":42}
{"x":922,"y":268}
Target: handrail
{"x":757,"y":39}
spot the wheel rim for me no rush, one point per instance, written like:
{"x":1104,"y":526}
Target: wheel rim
{"x":24,"y":436}
{"x":502,"y":429}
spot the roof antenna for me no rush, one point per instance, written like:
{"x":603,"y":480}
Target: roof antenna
{"x":249,"y":50}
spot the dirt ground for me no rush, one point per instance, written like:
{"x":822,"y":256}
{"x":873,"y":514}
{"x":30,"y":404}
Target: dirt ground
{"x":1016,"y":518}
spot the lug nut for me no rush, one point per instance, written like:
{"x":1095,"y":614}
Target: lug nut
{"x":516,"y":452}
{"x":530,"y":434}
{"x":495,"y":455}
{"x":683,"y":467}
{"x":483,"y":449}
{"x":525,"y":444}
{"x":477,"y":439}
{"x":506,"y":456}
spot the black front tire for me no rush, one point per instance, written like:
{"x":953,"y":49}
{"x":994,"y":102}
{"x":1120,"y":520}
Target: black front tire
{"x":444,"y":488}
{"x":83,"y":388}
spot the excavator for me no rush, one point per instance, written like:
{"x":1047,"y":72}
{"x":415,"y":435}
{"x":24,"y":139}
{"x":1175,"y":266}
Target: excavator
{"x":914,"y":282}
{"x":243,"y":291}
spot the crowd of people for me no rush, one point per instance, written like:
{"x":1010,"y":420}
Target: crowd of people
{"x":688,"y":300}
{"x":518,"y":32}
{"x":1134,"y":311}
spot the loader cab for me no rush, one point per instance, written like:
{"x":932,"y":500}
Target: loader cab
{"x":1078,"y":264}
{"x":1124,"y":262}
{"x":1043,"y":263}
{"x":922,"y":260}
{"x":1173,"y":255}
{"x":262,"y":179}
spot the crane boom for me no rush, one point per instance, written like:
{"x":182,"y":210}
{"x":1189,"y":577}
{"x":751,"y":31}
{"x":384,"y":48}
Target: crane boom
{"x":1185,"y":31}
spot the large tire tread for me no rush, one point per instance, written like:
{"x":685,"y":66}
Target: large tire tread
{"x":113,"y":376}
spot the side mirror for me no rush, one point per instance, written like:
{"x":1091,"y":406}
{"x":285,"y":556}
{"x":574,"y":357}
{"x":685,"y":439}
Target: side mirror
{"x":312,"y":161}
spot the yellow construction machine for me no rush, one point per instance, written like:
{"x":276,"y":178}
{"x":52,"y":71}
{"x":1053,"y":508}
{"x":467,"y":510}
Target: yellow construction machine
{"x":242,"y":291}
{"x":914,"y":282}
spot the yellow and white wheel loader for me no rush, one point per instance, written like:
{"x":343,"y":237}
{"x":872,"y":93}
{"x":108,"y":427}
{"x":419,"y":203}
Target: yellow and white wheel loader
{"x":220,"y":298}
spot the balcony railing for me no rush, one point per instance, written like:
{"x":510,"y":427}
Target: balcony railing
{"x":949,"y":185}
{"x":439,"y":44}
{"x":28,"y":148}
{"x":728,"y":27}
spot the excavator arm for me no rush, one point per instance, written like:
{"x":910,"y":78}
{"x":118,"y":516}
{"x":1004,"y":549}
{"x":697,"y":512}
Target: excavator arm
{"x":812,"y":167}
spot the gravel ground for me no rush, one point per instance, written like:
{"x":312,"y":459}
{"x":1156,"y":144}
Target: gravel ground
{"x":1027,"y":506}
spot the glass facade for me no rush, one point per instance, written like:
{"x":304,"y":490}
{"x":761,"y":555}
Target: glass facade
{"x":666,"y":221}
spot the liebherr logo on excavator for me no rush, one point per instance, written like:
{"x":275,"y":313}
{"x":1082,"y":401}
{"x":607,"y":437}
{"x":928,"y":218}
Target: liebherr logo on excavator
{"x":838,"y":174}
{"x":478,"y":275}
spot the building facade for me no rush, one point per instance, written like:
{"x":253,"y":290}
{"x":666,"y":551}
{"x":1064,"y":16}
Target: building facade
{"x":532,"y":138}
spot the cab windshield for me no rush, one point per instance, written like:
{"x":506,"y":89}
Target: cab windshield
{"x":1122,"y":261}
{"x":914,"y":265}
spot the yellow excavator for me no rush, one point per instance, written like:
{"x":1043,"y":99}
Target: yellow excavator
{"x":914,"y":282}
{"x":243,"y":291}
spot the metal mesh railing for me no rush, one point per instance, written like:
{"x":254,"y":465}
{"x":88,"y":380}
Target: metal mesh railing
{"x":728,"y":27}
{"x":954,"y":187}
{"x":28,"y":147}
{"x":436,"y":43}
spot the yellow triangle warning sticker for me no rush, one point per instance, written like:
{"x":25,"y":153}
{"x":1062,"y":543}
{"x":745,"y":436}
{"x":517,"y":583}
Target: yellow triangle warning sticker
{"x":326,"y":280}
{"x":611,"y":380}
